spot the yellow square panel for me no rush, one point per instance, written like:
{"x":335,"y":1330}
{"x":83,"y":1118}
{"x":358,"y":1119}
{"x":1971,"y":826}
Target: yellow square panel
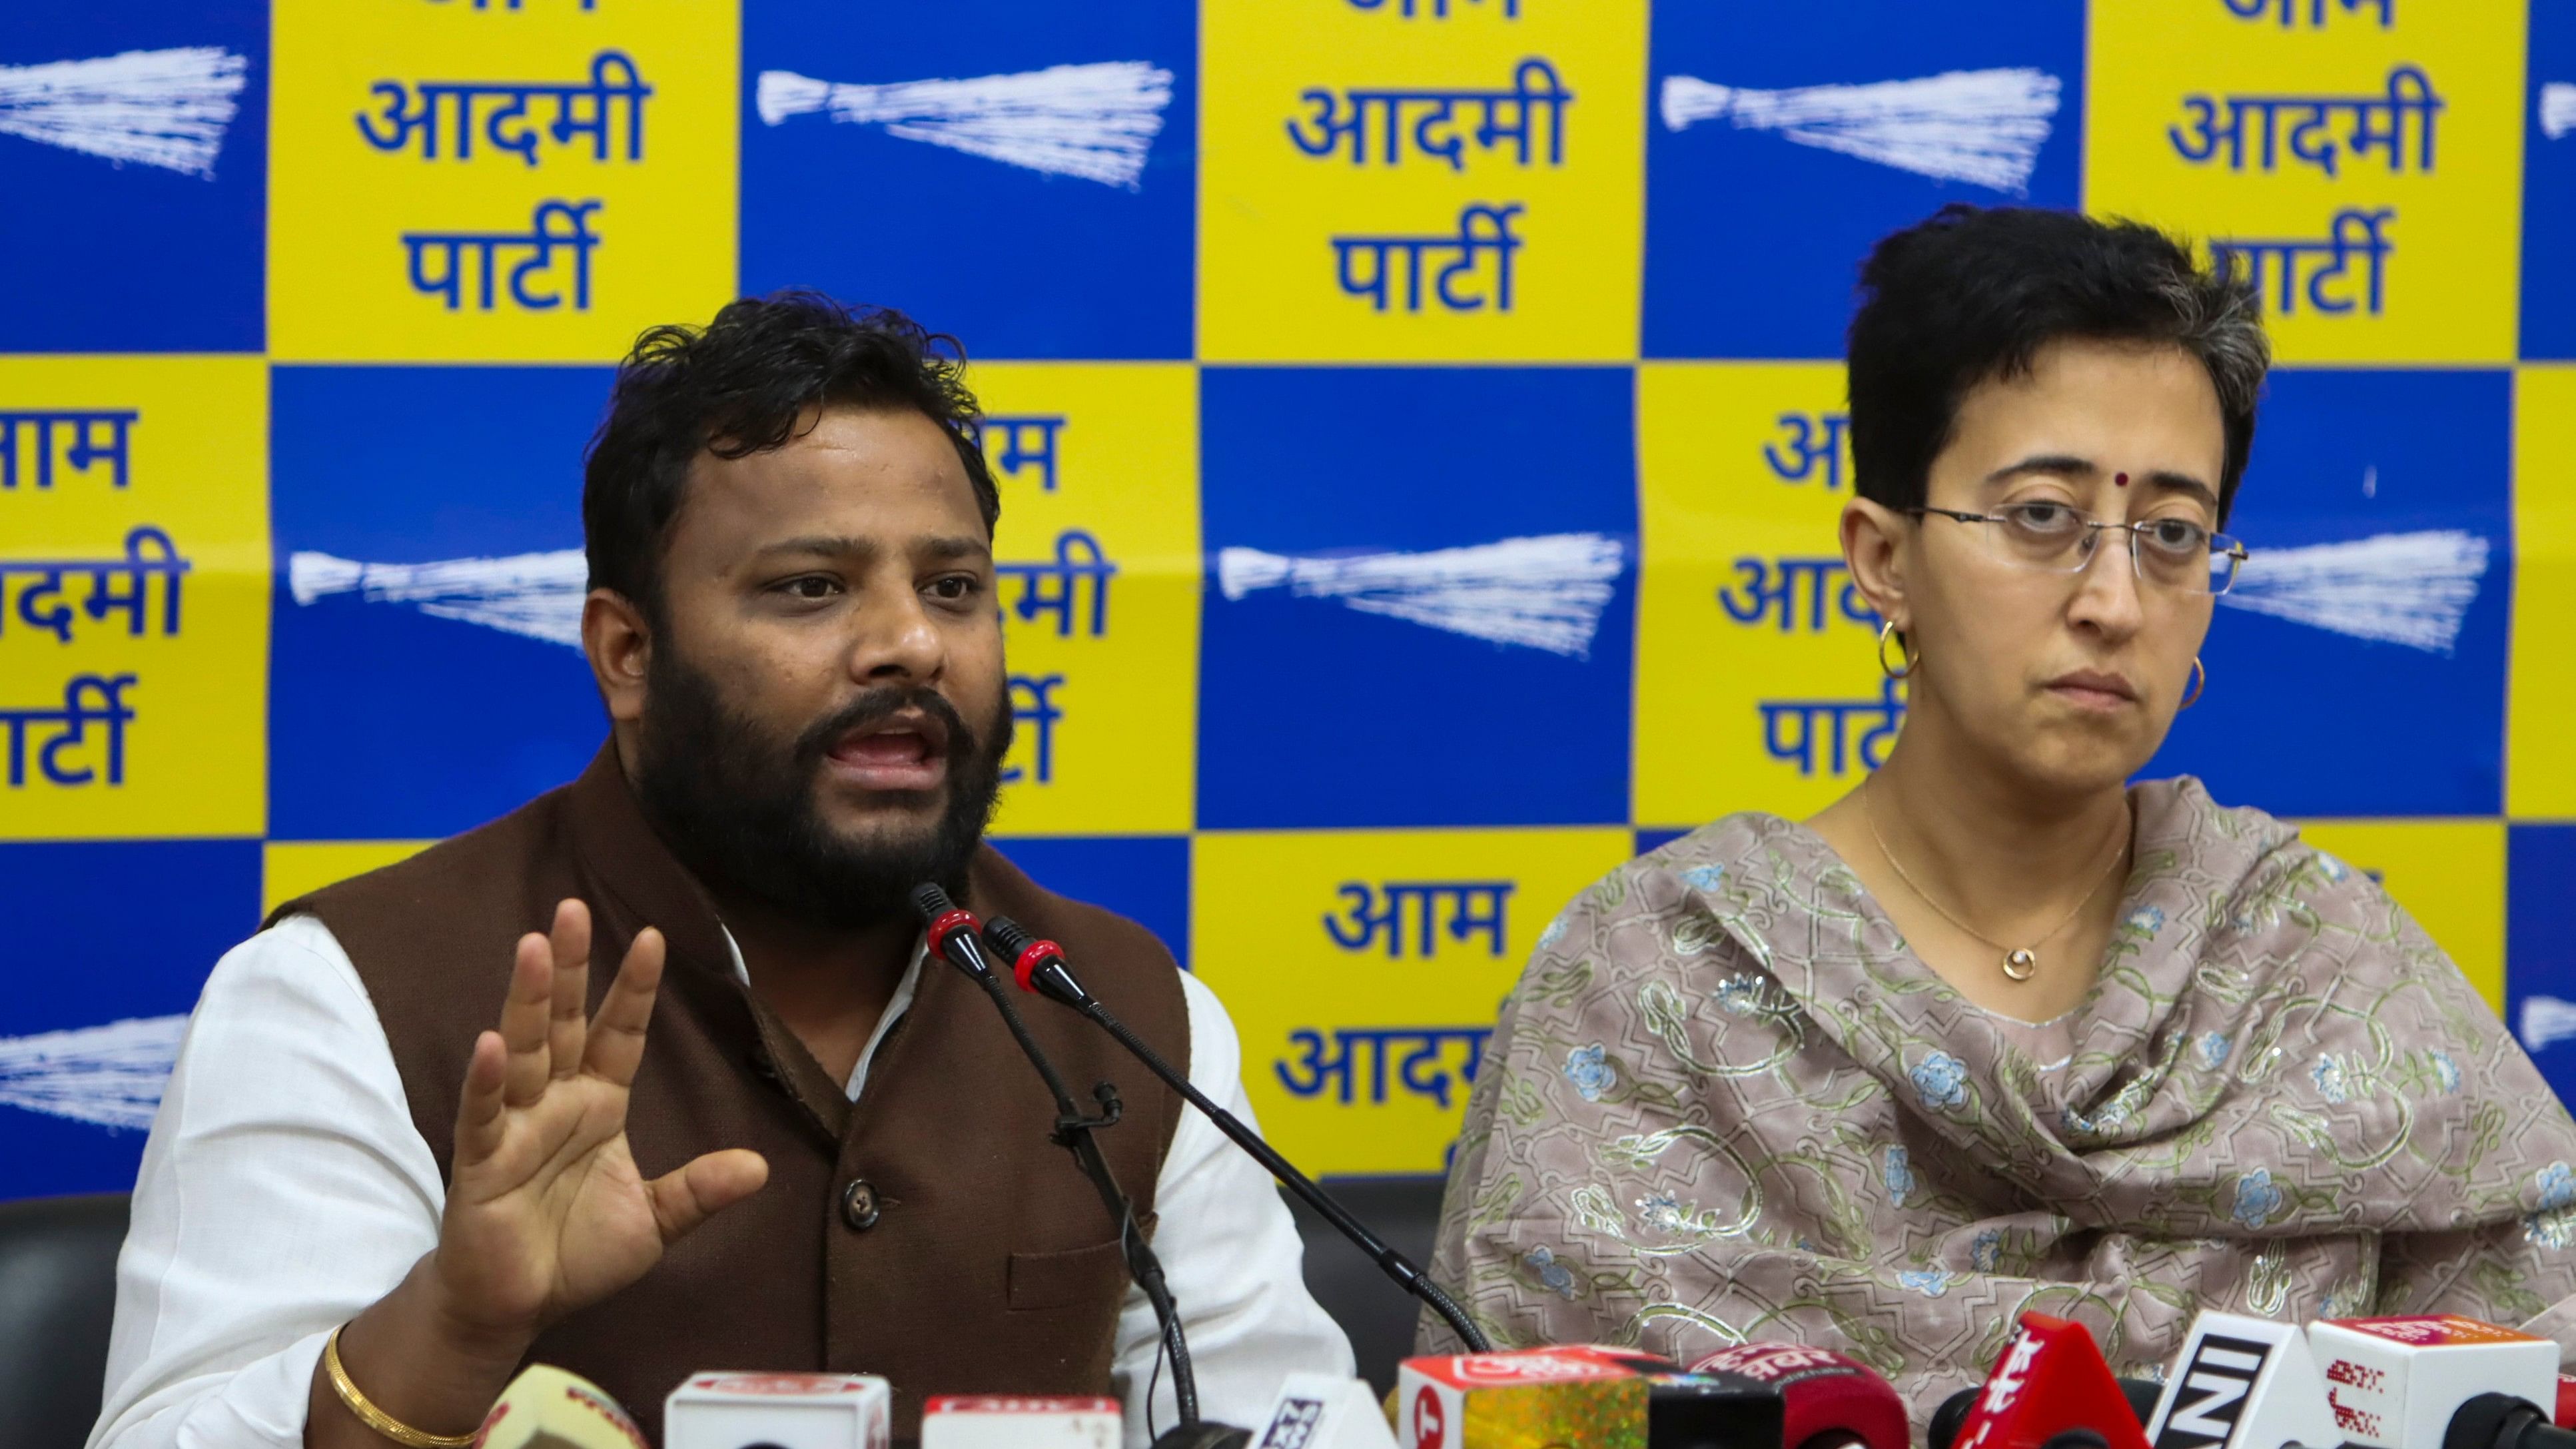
{"x":1363,"y":970}
{"x":1758,"y":686}
{"x":1465,"y":184}
{"x":2540,"y":771}
{"x":2371,"y":171}
{"x":292,"y":868}
{"x":2448,"y":874}
{"x":1099,"y":591}
{"x":466,"y":183}
{"x":134,"y":589}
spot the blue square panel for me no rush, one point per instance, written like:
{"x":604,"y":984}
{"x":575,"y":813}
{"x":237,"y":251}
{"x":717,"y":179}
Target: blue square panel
{"x":136,"y":223}
{"x":1145,"y":878}
{"x":408,"y":702}
{"x":1423,"y":601}
{"x":1763,"y":193}
{"x":105,"y":945}
{"x":2549,"y":185}
{"x":873,"y":167}
{"x":2540,"y":949}
{"x":2358,"y":666}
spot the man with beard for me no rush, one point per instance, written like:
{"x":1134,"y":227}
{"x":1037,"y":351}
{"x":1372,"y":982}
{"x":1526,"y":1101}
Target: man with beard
{"x":362,"y":1209}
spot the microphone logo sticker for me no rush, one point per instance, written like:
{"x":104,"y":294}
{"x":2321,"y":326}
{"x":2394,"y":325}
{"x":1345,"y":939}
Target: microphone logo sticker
{"x":1430,"y":1426}
{"x":2216,"y":1386}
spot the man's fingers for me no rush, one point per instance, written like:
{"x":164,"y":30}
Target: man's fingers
{"x":617,"y":1033}
{"x":478,"y":1109}
{"x":524,"y":1021}
{"x":707,"y":1186}
{"x":570,"y":944}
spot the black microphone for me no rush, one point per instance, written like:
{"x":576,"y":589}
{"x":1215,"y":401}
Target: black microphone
{"x":1040,"y":967}
{"x":950,"y":930}
{"x":2504,"y":1421}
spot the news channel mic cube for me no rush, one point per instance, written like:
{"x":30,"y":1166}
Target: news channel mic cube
{"x":1537,"y":1398}
{"x":1323,"y":1411}
{"x":1004,"y":1421}
{"x":2394,"y":1383}
{"x":779,"y":1411}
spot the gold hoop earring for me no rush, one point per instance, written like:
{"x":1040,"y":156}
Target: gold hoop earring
{"x":2199,"y":682}
{"x":1887,"y":631}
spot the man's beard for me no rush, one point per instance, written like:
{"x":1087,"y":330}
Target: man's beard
{"x":737,"y":805}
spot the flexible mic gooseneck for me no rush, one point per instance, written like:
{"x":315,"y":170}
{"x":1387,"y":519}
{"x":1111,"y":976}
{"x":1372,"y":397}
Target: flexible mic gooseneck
{"x":1040,"y":967}
{"x":951,"y":934}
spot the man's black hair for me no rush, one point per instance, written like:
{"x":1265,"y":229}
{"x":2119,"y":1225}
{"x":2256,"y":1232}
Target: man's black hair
{"x":1973,"y":294}
{"x":747,"y":382}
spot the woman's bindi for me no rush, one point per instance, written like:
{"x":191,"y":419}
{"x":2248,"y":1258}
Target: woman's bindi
{"x":2120,"y":479}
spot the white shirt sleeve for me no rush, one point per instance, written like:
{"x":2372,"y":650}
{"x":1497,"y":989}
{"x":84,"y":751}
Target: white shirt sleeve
{"x":283,"y":1190}
{"x":1231,"y":1253}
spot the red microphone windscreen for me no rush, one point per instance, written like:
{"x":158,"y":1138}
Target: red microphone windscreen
{"x":2050,"y":1378}
{"x":1822,"y":1393}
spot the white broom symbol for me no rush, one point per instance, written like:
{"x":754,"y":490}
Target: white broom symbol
{"x":1979,"y":126}
{"x":110,"y":1075}
{"x":2557,"y":109}
{"x":1092,"y":121}
{"x":534,"y":594}
{"x":2396,"y":588}
{"x":2546,"y":1021}
{"x":1539,"y":593}
{"x":165,"y":108}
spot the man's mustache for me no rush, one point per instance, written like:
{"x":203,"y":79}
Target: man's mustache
{"x":882,"y":703}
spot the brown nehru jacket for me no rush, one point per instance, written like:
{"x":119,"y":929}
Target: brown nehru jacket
{"x":929,"y":1231}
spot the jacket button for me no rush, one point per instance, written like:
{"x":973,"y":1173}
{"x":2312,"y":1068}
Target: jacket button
{"x":859,"y":1205}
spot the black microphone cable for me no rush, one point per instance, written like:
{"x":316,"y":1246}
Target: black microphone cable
{"x":951,"y":933}
{"x":1040,"y":967}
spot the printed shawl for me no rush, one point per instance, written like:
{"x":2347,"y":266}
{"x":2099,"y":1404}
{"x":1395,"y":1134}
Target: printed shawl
{"x":1725,"y":1103}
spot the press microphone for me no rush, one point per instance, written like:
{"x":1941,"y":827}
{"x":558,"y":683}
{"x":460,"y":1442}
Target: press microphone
{"x":1019,"y":1421}
{"x":2050,"y":1379}
{"x":806,"y":1411}
{"x":2243,"y":1383}
{"x":1311,"y":1411}
{"x":1828,"y":1399}
{"x":2398,"y":1383}
{"x":1040,"y":966}
{"x":950,"y":931}
{"x":548,"y":1408}
{"x":2502,"y":1421}
{"x":1944,"y":1427}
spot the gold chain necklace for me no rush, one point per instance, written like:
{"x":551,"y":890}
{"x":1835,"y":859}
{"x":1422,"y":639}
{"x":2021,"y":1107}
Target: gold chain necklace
{"x":2019,"y":963}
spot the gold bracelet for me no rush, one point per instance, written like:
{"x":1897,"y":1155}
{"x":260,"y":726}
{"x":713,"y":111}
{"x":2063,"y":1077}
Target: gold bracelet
{"x":377,"y":1419}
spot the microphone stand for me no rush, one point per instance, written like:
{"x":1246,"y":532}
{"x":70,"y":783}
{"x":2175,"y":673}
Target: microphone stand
{"x":1040,"y":967}
{"x":948,"y":928}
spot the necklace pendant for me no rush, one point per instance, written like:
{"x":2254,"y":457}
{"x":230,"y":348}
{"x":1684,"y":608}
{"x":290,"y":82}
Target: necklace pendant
{"x":2020,"y":964}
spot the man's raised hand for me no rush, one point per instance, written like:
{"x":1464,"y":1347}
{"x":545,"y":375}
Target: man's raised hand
{"x":546,"y":1212}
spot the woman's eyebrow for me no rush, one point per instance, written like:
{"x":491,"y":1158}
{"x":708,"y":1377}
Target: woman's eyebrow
{"x":2166,"y":481}
{"x":2054,"y":464}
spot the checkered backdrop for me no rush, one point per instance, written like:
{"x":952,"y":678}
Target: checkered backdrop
{"x":1419,"y":424}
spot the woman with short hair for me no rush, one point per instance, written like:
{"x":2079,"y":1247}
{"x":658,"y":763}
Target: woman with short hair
{"x":1999,"y":1031}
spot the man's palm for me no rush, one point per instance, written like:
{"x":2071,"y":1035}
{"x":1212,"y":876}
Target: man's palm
{"x":546,"y":1212}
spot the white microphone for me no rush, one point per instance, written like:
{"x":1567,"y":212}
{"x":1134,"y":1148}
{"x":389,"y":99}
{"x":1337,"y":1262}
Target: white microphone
{"x":548,"y":1408}
{"x":2395,"y":1383}
{"x":778,"y":1411}
{"x":1320,"y":1411}
{"x":2243,"y":1383}
{"x":1019,"y":1421}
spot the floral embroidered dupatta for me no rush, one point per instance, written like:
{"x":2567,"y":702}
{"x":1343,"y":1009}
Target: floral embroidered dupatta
{"x":1726,"y":1103}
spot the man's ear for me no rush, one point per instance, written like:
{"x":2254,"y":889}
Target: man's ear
{"x":619,"y":645}
{"x":1872,"y":534}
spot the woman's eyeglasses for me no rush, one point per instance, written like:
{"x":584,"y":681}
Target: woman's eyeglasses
{"x":2168,"y":553}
